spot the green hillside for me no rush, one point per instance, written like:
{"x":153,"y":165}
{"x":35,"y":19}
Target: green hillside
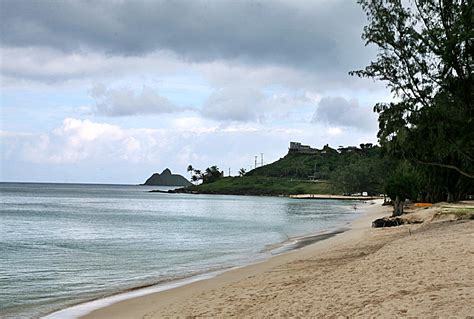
{"x":320,"y":165}
{"x":326,"y":171}
{"x":261,"y":185}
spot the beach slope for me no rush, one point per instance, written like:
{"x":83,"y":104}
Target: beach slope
{"x":411,"y":270}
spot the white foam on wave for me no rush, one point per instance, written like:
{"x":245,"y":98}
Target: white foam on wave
{"x":87,"y":307}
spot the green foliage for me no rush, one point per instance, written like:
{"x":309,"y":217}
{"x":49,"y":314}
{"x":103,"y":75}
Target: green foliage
{"x":259,"y":185}
{"x":320,"y":165}
{"x":403,"y":183}
{"x":350,"y":169}
{"x":365,"y":174}
{"x":425,"y":57}
{"x":210,"y":174}
{"x":424,"y":45}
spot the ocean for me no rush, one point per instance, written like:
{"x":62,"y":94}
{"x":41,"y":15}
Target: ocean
{"x":64,"y":244}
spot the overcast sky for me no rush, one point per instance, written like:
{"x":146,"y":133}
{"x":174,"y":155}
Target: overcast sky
{"x":112,"y":91}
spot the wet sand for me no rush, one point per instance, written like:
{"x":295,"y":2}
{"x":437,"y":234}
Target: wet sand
{"x":412,"y":270}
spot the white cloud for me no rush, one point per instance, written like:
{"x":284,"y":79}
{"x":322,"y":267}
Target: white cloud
{"x":124,"y":101}
{"x":245,"y":75}
{"x":79,"y":140}
{"x":119,"y":154}
{"x":334,"y":131}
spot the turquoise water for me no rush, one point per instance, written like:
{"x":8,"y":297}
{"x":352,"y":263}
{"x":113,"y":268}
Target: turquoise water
{"x":62,"y":244}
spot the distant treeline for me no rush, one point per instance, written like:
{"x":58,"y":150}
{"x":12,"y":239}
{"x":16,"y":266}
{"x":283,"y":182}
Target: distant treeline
{"x":348,"y":169}
{"x":330,"y":171}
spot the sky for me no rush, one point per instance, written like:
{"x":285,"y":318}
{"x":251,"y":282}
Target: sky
{"x":113,"y":91}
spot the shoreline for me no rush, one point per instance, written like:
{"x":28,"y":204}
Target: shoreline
{"x":83,"y":309}
{"x":293,"y":196}
{"x":336,"y":197}
{"x":284,"y":250}
{"x":414,"y":270}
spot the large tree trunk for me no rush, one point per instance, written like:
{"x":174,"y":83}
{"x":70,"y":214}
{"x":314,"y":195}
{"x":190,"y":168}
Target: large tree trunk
{"x":450,"y":197}
{"x":397,"y":207}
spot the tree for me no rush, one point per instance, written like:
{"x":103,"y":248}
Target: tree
{"x":402,"y":185}
{"x":424,"y":46}
{"x":425,"y":57}
{"x":363,"y":175}
{"x":197,"y":176}
{"x":210,"y":174}
{"x":190,"y":170}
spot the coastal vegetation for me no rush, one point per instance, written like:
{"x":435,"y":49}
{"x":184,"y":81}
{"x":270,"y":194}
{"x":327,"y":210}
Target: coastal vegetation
{"x":209,"y":175}
{"x":260,"y":185}
{"x":328,"y":171}
{"x":426,"y":136}
{"x":346,"y":170}
{"x":425,"y":58}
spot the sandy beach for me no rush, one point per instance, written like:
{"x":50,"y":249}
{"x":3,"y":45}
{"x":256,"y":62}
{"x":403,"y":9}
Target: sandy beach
{"x":416,"y":270}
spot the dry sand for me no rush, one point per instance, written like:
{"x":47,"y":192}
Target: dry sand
{"x":418,"y":270}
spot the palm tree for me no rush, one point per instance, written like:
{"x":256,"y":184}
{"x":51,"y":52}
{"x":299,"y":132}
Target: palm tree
{"x":190,"y":170}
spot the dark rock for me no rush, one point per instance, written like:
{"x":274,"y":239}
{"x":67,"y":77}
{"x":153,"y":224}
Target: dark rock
{"x":166,"y":178}
{"x":158,"y":191}
{"x":387,"y":222}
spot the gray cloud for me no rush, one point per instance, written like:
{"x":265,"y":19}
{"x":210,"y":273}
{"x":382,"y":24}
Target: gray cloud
{"x":50,"y":65}
{"x":234,"y":104}
{"x":324,"y":35}
{"x":123,"y":102}
{"x":337,"y":111}
{"x":248,"y":104}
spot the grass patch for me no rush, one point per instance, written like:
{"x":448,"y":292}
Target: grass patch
{"x":262,"y":185}
{"x":457,"y":208}
{"x":456,"y":211}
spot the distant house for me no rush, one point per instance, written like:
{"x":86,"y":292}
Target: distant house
{"x":348,"y":149}
{"x":297,"y":147}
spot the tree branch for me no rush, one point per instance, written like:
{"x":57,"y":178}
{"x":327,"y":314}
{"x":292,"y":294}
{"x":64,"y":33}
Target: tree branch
{"x":446,"y":166}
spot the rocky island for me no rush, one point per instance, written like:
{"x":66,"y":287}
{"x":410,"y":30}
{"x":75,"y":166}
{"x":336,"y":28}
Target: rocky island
{"x":166,"y":178}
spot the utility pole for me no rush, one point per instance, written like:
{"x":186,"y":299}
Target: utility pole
{"x":229,"y":171}
{"x":256,"y":161}
{"x":261,"y":159}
